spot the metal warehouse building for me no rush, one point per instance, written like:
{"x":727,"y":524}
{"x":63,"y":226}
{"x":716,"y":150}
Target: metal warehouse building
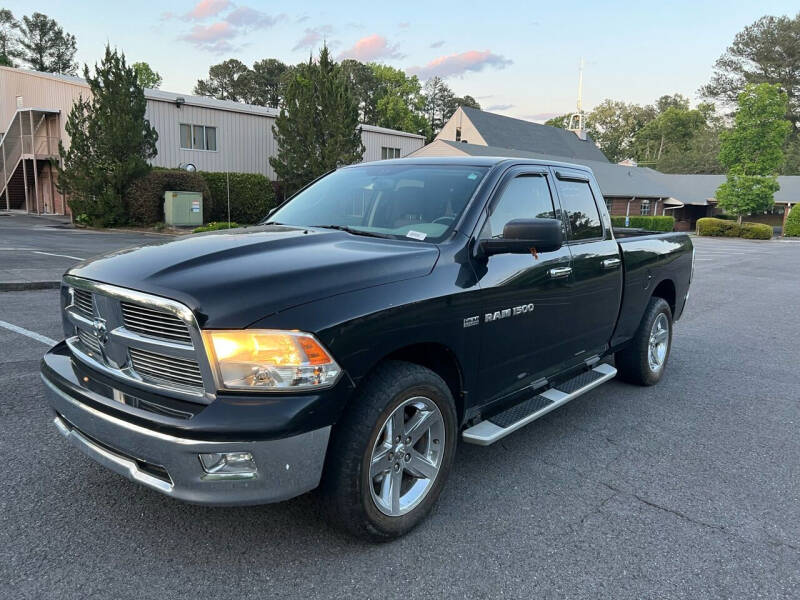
{"x":213,"y":135}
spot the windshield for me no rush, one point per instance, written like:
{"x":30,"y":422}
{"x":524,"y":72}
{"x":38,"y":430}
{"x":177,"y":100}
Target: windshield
{"x":419,"y":202}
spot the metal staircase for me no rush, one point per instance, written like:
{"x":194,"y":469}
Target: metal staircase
{"x":27,"y":148}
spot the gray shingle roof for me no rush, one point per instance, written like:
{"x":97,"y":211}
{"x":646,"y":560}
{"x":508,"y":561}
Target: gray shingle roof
{"x":506,"y":132}
{"x":641,"y":182}
{"x":614,"y":180}
{"x":699,"y":189}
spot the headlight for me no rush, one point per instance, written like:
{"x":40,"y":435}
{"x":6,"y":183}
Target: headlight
{"x":268,"y":359}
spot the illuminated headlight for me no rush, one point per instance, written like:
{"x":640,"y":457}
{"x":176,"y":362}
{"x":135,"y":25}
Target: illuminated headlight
{"x":268,"y":359}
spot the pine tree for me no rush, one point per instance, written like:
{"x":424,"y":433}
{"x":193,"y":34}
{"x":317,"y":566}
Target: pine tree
{"x":46,"y":47}
{"x":9,"y":44}
{"x":317,"y":129}
{"x":111,"y":142}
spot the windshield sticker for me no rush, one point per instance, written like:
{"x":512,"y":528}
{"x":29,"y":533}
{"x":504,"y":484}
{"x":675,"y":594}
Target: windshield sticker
{"x":416,"y":235}
{"x":472,"y":176}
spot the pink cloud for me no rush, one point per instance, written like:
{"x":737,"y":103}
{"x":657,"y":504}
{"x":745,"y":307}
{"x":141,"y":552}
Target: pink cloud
{"x":459,"y":64}
{"x":371,"y":48}
{"x":207,"y":8}
{"x":203,"y":34}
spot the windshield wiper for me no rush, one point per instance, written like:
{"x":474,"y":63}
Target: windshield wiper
{"x":271,"y":223}
{"x":355,"y":231}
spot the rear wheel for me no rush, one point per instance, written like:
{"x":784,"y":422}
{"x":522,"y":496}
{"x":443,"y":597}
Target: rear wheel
{"x":391,"y":453}
{"x":643,"y":361}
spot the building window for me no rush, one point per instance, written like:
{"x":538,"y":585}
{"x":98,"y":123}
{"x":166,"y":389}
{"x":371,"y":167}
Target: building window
{"x":389,"y":153}
{"x":645,"y":207}
{"x":458,"y":134}
{"x":198,"y":137}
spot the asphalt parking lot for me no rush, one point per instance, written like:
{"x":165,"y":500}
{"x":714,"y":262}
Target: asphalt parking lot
{"x":690,"y":489}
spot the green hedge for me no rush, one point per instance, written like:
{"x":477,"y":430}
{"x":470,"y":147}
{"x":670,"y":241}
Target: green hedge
{"x":717,"y":227}
{"x":756,"y":231}
{"x":792,"y":228}
{"x":656,"y":223}
{"x":723,"y":228}
{"x":252,"y":196}
{"x":144,"y":202}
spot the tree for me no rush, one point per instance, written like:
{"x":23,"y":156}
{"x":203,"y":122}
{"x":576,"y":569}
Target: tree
{"x":111,"y":142}
{"x":438,"y":100}
{"x":753,"y":150}
{"x":267,"y":80}
{"x":614,"y":125}
{"x":398,"y":100}
{"x":363,"y":82}
{"x":317,"y":129}
{"x":9,"y":45}
{"x":146,"y":77}
{"x":228,"y":80}
{"x":672,"y":130}
{"x":560,"y":122}
{"x":768,"y":51}
{"x":45,"y":45}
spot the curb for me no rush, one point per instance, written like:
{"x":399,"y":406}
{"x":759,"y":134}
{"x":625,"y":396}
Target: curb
{"x":21,"y":286}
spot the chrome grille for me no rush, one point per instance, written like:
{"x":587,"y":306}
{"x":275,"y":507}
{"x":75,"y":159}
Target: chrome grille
{"x":155,"y":323}
{"x":89,"y":340}
{"x":151,"y":365}
{"x":83,"y":302}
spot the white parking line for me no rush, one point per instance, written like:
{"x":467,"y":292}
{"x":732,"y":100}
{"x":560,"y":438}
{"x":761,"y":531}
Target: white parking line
{"x":27,"y":332}
{"x":41,"y":252}
{"x":61,"y":255}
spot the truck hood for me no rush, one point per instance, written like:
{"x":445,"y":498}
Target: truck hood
{"x":233,"y":278}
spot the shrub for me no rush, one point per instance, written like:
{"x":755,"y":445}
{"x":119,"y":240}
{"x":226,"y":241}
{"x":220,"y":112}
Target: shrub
{"x":756,"y":231}
{"x":214,"y":226}
{"x":792,"y":228}
{"x":656,"y":223}
{"x":144,"y":201}
{"x":252,"y":196}
{"x":717,"y":227}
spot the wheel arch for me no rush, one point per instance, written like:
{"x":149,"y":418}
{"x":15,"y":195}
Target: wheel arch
{"x":667,"y":291}
{"x":436,"y":356}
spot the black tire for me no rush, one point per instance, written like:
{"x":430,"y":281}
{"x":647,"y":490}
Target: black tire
{"x":633,"y":363}
{"x":346,"y":484}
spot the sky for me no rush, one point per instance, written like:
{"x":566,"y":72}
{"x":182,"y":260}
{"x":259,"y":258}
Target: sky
{"x":516,"y":58}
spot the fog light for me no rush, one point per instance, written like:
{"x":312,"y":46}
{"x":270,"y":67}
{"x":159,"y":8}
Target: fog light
{"x":228,"y":465}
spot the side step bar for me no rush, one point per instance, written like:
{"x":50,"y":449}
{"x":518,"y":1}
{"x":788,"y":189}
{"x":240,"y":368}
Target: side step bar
{"x":500,"y":425}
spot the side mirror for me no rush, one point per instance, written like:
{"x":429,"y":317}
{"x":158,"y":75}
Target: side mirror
{"x":521,"y":236}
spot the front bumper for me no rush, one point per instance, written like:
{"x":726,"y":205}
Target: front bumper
{"x":168,"y":463}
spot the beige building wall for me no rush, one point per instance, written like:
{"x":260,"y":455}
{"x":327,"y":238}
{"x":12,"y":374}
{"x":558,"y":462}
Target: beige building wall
{"x":469,"y":133}
{"x":244,"y":141}
{"x":438,"y":148}
{"x":375,"y":139}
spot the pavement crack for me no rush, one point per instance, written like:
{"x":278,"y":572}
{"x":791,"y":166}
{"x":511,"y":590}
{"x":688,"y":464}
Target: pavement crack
{"x":679,"y":514}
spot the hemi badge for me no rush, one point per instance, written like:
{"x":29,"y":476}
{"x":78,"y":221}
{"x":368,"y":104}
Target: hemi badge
{"x":471,"y":321}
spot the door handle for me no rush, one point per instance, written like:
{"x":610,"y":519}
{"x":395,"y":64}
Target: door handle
{"x":611,"y":263}
{"x":559,"y":272}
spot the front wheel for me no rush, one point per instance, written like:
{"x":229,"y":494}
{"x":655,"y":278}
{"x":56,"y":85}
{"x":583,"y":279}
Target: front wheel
{"x":391,"y":454}
{"x":644,"y":359}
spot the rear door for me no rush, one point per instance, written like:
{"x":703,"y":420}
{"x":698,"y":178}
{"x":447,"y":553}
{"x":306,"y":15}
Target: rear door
{"x":523,"y":304}
{"x":596,"y":265}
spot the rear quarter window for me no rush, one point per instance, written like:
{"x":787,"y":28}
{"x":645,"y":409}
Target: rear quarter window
{"x":581,"y":209}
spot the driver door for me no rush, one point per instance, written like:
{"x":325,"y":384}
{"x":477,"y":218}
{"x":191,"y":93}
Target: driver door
{"x":524,"y":297}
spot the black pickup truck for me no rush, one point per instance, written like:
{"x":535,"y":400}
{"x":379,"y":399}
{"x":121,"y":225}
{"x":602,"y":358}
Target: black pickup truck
{"x":348,"y":341}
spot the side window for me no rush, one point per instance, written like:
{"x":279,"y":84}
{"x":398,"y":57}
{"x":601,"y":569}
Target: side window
{"x":578,"y":202}
{"x":524,"y":197}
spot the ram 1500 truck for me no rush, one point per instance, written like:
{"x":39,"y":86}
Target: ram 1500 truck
{"x":347,"y":343}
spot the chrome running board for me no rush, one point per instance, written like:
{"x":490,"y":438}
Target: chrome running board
{"x":500,"y":425}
